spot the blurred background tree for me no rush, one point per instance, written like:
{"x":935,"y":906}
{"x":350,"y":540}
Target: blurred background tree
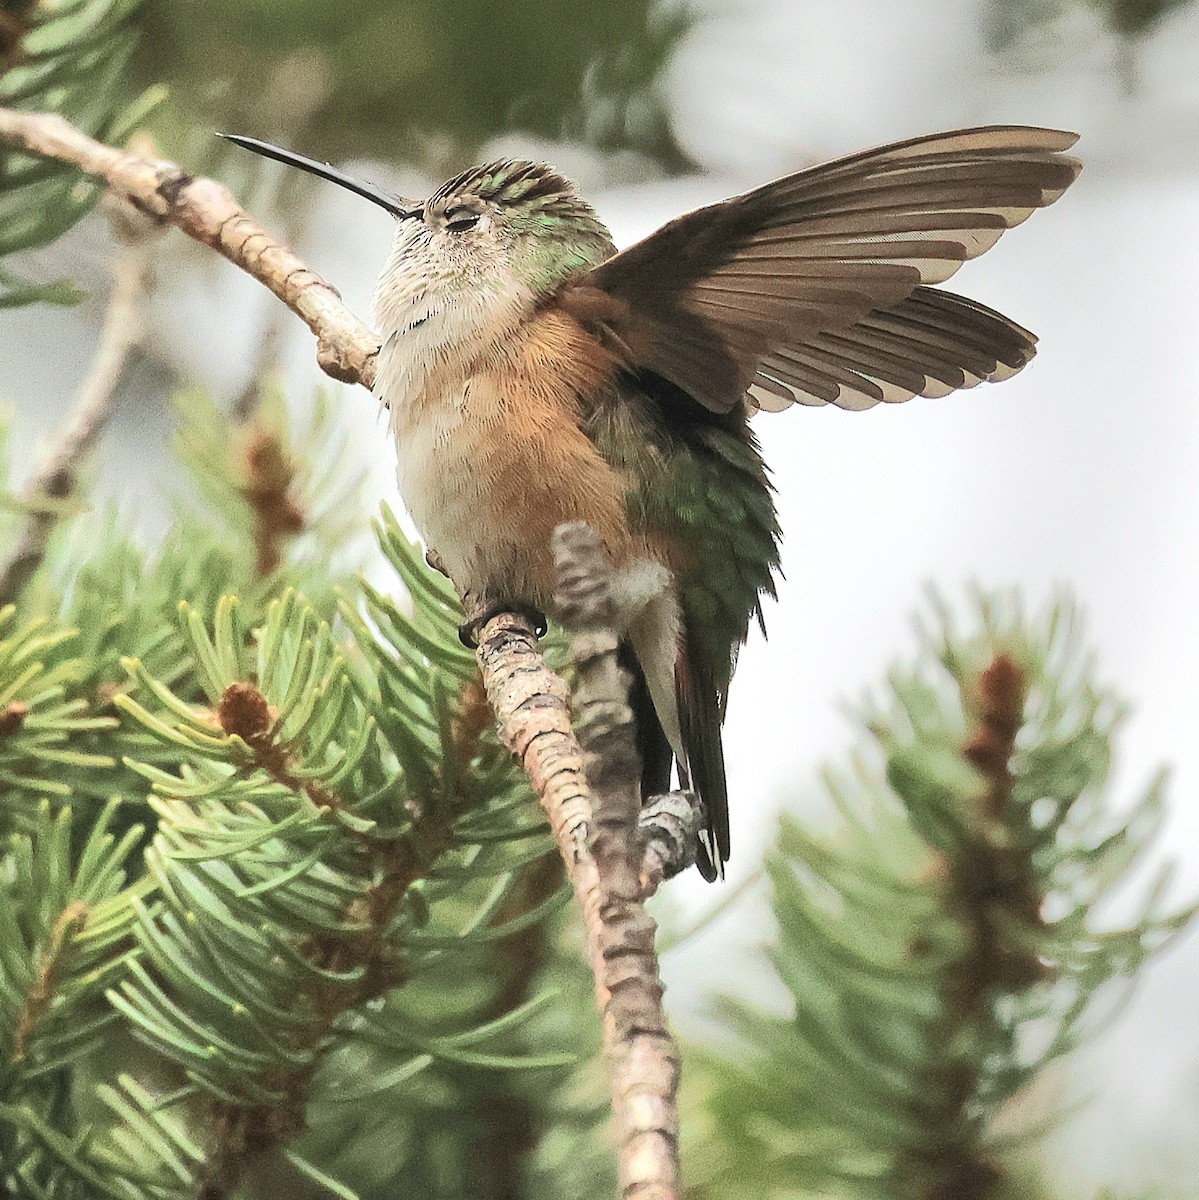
{"x":416,"y":82}
{"x":184,"y":1007}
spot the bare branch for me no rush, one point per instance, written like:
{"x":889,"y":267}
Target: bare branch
{"x":596,"y":826}
{"x":301,"y":195}
{"x":57,"y":480}
{"x":207,"y":211}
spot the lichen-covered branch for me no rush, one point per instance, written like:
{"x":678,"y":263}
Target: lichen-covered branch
{"x":668,"y":827}
{"x":208,"y":211}
{"x":589,"y":786}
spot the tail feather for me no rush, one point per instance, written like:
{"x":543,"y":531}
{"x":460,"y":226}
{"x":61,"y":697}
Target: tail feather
{"x":653,"y":746}
{"x":676,"y":702}
{"x":700,"y":720}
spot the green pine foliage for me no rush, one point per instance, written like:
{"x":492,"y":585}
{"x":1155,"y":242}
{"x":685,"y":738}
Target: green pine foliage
{"x":69,"y":57}
{"x":279,"y":916}
{"x":943,"y":945}
{"x":43,"y":719}
{"x":66,"y":916}
{"x":273,"y":515}
{"x":289,"y":858}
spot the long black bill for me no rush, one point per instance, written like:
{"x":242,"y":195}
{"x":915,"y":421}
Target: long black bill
{"x":396,"y":205}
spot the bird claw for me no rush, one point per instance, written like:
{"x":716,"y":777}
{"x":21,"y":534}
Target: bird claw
{"x":669,"y":827}
{"x":468,"y":631}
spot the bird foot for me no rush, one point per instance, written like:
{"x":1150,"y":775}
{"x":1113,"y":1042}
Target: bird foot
{"x":668,"y":826}
{"x":468,"y":631}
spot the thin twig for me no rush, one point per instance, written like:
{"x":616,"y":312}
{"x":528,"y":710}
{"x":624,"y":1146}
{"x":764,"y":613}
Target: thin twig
{"x":58,"y":478}
{"x":596,"y":826}
{"x":207,"y":211}
{"x":41,"y":991}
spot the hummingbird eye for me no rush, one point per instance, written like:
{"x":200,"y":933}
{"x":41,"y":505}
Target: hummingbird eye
{"x":459,"y":219}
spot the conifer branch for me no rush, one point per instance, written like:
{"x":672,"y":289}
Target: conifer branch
{"x":41,"y":992}
{"x":208,"y":212}
{"x":990,"y":890}
{"x":270,"y":474}
{"x":589,"y":786}
{"x":57,"y":481}
{"x":353,"y":964}
{"x":508,"y":1119}
{"x":245,"y":713}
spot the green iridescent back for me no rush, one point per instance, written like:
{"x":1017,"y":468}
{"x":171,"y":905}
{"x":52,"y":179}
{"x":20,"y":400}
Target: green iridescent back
{"x":699,"y":479}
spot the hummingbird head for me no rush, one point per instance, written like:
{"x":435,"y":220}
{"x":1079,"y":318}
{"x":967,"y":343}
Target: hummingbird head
{"x":523,"y":217}
{"x":483,"y":251}
{"x":503,"y":234}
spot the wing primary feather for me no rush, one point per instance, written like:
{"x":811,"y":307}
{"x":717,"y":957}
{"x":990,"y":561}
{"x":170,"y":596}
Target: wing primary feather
{"x":956,"y":320}
{"x":892,"y":355}
{"x":871,"y":345}
{"x":1046,"y":176}
{"x":864,"y":358}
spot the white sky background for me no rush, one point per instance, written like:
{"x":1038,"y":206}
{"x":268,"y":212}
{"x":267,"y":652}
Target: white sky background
{"x":1081,"y":470}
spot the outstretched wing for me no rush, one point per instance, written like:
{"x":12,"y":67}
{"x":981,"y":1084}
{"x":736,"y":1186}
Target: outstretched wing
{"x":811,"y":289}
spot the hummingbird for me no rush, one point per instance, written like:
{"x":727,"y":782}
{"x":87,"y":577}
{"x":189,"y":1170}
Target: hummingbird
{"x":535,"y":376}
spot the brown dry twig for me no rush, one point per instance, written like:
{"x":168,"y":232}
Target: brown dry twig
{"x":589,"y":786}
{"x":57,"y":481}
{"x":207,"y":211}
{"x":269,"y":474}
